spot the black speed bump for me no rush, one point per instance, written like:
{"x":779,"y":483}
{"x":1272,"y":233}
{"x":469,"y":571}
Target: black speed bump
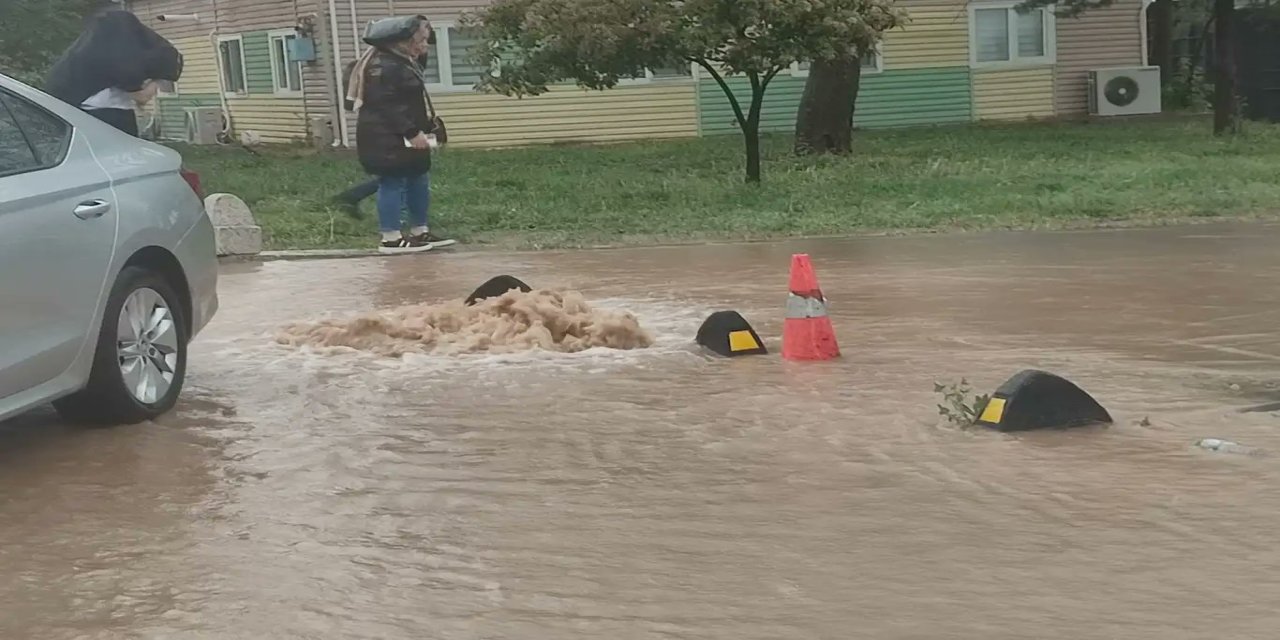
{"x":496,"y":287}
{"x":1040,"y":400}
{"x":729,"y":334}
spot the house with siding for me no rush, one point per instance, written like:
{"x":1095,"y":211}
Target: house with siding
{"x":958,"y":61}
{"x":272,"y":67}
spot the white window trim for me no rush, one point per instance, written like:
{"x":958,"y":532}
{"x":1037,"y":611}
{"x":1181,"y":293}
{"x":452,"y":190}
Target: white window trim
{"x":444,"y":59}
{"x":244,"y":70}
{"x":650,"y":78}
{"x":1015,"y":61}
{"x":272,"y":36}
{"x":797,"y":72}
{"x":168,"y":94}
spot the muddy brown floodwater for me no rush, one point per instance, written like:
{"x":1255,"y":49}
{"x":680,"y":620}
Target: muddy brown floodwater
{"x":658,"y":493}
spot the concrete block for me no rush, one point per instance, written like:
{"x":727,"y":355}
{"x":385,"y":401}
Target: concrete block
{"x":235,"y":230}
{"x":238,"y":241}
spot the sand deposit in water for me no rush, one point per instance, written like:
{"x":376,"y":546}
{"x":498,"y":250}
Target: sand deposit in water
{"x":560,"y":321}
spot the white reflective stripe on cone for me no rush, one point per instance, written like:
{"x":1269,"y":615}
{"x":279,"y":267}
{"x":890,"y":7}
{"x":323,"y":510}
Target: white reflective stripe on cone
{"x":802,"y":307}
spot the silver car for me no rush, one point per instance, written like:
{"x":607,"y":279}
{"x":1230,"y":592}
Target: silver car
{"x":107,"y":264}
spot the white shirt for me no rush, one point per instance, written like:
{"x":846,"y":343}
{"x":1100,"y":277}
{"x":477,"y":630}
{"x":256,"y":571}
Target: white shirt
{"x":110,"y":98}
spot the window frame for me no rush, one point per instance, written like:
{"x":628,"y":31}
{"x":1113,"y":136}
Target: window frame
{"x":649,"y":78}
{"x":222,"y":70}
{"x":444,"y":60}
{"x":797,"y":72}
{"x":1015,"y":61}
{"x":64,"y":151}
{"x":278,"y":54}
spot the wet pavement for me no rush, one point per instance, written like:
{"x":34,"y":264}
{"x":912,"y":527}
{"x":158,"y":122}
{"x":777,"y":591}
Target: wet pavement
{"x":658,"y":493}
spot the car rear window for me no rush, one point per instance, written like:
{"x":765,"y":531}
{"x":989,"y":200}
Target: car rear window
{"x":30,"y":137}
{"x":16,"y":155}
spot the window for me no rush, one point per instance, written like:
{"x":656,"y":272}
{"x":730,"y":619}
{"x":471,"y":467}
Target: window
{"x":449,"y":65}
{"x":678,"y":72}
{"x":16,"y":155}
{"x":231,"y":59}
{"x":286,"y":75}
{"x":30,"y":137}
{"x":873,"y":63}
{"x":1002,"y":36}
{"x":464,"y":71}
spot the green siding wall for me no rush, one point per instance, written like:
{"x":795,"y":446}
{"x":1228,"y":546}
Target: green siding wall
{"x":781,"y":101}
{"x":889,"y":99}
{"x":915,"y":97}
{"x":257,"y":63}
{"x":173,"y":113}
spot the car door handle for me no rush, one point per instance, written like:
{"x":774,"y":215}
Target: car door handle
{"x":92,"y":209}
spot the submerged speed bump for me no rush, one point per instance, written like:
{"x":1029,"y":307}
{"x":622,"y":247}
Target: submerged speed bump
{"x":496,"y":287}
{"x":729,"y":334}
{"x":1040,"y":400}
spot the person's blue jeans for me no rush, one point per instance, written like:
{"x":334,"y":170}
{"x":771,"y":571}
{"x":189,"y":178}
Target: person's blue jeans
{"x":395,"y":193}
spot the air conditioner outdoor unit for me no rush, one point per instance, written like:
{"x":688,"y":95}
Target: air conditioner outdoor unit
{"x":1124,"y":91}
{"x":204,"y":125}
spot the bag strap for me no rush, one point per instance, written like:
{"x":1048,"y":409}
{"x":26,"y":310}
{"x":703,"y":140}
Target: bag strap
{"x":431,"y":108}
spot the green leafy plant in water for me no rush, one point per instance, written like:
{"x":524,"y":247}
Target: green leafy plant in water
{"x":956,"y":405}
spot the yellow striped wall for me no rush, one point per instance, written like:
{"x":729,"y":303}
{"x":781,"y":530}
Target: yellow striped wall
{"x":273,"y":119}
{"x":200,"y":65}
{"x":934,"y":37}
{"x":1014,"y":94}
{"x":653,"y":110}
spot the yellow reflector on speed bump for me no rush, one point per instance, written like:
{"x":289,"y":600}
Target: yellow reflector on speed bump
{"x":742,"y":341}
{"x":994,"y":411}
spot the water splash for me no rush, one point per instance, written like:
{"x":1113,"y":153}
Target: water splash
{"x":551,"y":320}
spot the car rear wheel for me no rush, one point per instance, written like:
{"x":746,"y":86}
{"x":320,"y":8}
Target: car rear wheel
{"x":141,"y":359}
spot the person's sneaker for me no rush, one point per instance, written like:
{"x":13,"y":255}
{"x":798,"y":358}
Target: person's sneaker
{"x":433,"y":240}
{"x":404,"y":245}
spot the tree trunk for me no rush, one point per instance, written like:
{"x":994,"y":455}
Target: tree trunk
{"x":824,"y":123}
{"x":1226,"y":112}
{"x":749,"y":122}
{"x":751,"y":133}
{"x":1160,"y":20}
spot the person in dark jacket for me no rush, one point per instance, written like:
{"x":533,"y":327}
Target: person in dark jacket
{"x":113,"y":67}
{"x":349,"y":200}
{"x":395,"y":133}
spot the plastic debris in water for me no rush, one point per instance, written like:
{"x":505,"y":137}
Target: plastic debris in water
{"x":1226,"y":446}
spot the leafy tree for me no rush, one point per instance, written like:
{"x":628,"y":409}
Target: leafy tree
{"x":35,"y":33}
{"x":597,"y":43}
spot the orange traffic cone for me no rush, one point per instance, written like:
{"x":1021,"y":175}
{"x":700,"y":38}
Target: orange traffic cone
{"x":807,"y":333}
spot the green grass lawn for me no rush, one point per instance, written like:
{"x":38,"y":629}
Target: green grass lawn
{"x":1014,"y":176}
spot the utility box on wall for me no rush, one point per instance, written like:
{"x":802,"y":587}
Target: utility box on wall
{"x":204,"y":125}
{"x":302,"y":49}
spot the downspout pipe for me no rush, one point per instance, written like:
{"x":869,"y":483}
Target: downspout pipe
{"x":336,"y":47}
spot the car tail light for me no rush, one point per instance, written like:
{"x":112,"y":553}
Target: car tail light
{"x":193,"y":179}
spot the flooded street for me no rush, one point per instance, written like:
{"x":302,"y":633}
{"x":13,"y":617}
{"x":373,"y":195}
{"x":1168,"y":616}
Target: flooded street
{"x":660,"y":493}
